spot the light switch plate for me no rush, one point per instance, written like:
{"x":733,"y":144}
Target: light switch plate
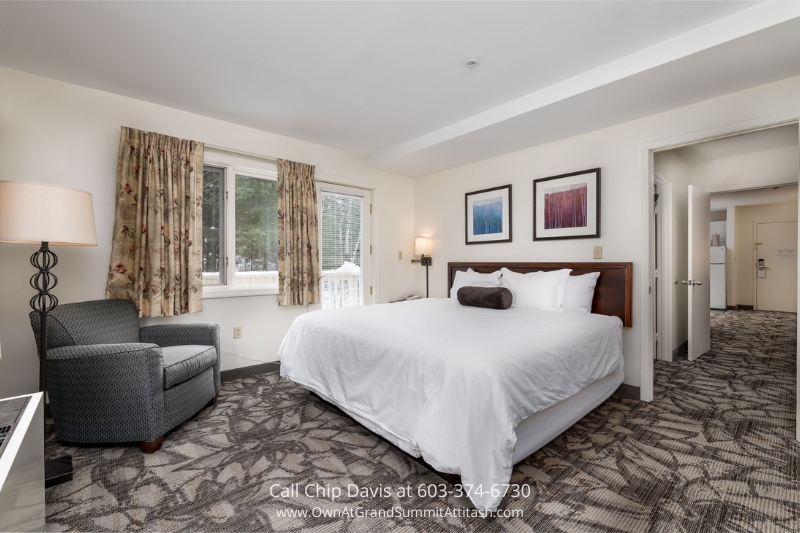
{"x":237,"y":332}
{"x":597,"y":253}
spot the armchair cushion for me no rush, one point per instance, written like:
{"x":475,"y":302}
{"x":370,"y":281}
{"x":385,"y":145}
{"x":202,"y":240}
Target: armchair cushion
{"x":198,"y":333}
{"x":184,"y":362}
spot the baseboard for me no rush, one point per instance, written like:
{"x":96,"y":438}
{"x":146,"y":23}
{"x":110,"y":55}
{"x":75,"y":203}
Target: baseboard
{"x":730,"y":307}
{"x":249,"y":371}
{"x":741,"y":307}
{"x":629,"y":391}
{"x":682,"y":346}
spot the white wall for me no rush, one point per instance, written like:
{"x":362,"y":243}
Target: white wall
{"x":672,"y":167}
{"x":439,"y":198}
{"x":65,"y":134}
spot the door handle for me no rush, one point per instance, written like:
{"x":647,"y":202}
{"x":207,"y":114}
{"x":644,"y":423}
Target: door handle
{"x":697,"y":282}
{"x":691,"y":282}
{"x":684,"y":282}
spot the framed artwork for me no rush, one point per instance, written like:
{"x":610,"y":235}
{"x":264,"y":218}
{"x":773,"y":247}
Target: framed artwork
{"x":488,"y":215}
{"x":567,"y":206}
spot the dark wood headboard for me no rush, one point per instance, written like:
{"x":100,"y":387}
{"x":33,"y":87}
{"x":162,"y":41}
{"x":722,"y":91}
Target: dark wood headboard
{"x":612,"y":294}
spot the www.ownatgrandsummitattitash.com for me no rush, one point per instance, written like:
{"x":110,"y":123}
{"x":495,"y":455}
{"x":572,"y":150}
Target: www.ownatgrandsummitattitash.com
{"x":397,"y":512}
{"x":337,"y":494}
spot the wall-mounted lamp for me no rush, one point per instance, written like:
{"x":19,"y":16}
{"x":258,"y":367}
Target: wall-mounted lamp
{"x":422,"y":248}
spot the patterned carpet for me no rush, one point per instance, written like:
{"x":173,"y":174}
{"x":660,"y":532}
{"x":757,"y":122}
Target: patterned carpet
{"x":714,"y":452}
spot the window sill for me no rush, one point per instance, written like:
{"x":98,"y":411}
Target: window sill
{"x":220,"y":292}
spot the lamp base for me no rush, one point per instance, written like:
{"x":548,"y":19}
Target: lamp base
{"x":57,"y":471}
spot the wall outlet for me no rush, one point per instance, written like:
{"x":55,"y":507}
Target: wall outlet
{"x":597,"y":253}
{"x":400,"y":255}
{"x":237,"y":332}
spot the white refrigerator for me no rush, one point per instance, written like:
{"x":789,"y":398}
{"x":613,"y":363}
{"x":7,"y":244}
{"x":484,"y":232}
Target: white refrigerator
{"x":717,"y":281}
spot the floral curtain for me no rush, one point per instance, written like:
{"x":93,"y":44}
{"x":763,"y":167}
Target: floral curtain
{"x":156,"y":254}
{"x":298,"y":235}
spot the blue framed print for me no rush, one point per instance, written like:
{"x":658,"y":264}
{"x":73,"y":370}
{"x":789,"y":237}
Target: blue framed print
{"x":488,"y":215}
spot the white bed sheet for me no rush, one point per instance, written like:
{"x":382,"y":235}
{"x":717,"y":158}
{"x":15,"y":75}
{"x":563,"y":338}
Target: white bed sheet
{"x":447,"y":382}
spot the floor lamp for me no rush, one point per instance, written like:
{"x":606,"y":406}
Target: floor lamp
{"x":422,"y":247}
{"x":47,"y":215}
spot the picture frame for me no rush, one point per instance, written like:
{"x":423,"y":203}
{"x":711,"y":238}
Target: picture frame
{"x":487,"y":215}
{"x":567,"y":206}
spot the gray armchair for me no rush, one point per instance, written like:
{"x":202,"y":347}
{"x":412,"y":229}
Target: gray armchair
{"x":111,"y":381}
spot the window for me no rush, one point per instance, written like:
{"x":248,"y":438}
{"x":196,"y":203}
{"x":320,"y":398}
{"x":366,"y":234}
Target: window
{"x":240,"y":226}
{"x":344,"y":246}
{"x":213,"y":243}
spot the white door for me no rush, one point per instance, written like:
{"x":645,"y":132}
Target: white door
{"x":776,"y":266}
{"x":345,"y":246}
{"x":698,"y":283}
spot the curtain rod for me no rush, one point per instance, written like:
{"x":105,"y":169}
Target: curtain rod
{"x":241,"y":152}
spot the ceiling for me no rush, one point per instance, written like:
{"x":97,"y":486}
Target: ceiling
{"x":768,"y":195}
{"x":737,"y":145}
{"x":388,"y":79}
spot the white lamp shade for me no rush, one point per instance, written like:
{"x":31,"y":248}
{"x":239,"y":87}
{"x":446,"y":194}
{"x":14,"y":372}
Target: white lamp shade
{"x":422,"y":246}
{"x":33,"y":213}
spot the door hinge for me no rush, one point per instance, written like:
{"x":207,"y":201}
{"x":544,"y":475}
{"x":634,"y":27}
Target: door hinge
{"x":370,"y":249}
{"x":370,"y":290}
{"x":226,"y":262}
{"x":370,"y":209}
{"x":656,"y":336}
{"x":656,"y":273}
{"x":226,"y":196}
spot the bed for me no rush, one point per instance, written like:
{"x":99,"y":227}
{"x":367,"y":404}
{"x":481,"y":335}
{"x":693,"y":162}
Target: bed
{"x":470,"y":391}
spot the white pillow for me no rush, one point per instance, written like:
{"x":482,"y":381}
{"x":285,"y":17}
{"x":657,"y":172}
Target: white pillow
{"x":537,"y":290}
{"x":579,"y":292}
{"x":470,"y":278}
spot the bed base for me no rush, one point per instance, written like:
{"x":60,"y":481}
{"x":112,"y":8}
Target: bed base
{"x":453,"y":479}
{"x":538,"y":429}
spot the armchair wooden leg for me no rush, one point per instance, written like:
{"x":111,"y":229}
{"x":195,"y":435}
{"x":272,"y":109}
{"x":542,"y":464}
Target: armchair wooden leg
{"x":151,"y":447}
{"x":212,"y":401}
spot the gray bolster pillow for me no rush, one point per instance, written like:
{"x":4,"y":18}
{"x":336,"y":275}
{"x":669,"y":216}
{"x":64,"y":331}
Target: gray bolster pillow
{"x":488,"y":297}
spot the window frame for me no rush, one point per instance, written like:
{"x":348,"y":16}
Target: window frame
{"x":229,"y":289}
{"x":366,"y":228}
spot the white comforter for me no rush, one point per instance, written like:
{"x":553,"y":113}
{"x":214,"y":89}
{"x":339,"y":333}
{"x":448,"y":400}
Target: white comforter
{"x":449,"y":382}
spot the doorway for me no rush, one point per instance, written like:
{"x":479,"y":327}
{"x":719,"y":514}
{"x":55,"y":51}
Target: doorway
{"x":783,"y":245}
{"x":345,"y":246}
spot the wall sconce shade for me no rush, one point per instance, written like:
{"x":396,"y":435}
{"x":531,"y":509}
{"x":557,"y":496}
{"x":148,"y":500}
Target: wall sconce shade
{"x":33,"y":213}
{"x":422,"y":246}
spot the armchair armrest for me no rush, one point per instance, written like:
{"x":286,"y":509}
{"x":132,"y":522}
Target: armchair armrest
{"x":95,"y":350}
{"x":107,"y":392}
{"x":201,"y":333}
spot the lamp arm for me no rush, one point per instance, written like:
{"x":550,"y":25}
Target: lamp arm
{"x":426,"y":262}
